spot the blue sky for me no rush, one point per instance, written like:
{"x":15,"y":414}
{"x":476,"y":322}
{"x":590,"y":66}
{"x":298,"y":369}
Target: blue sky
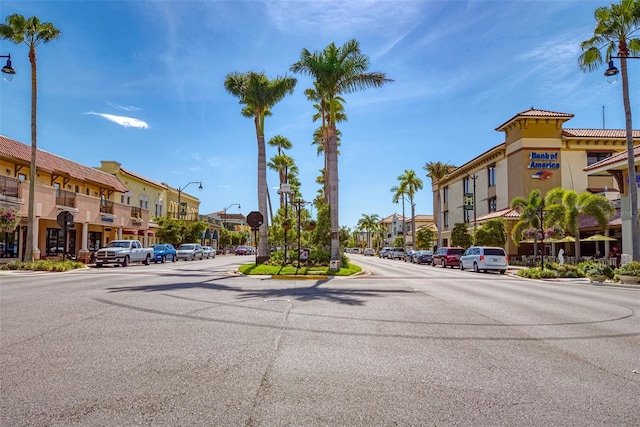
{"x":141,"y":82}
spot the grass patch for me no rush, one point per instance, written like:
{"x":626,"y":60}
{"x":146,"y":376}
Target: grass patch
{"x":289,"y":270}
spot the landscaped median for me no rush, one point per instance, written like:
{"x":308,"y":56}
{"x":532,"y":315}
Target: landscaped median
{"x":292,"y":272}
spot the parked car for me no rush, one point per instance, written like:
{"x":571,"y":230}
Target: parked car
{"x":369,"y":252}
{"x":423,"y":257}
{"x":447,"y":256}
{"x":485,"y":258}
{"x":162,"y":252}
{"x":408,"y":256}
{"x":396,"y":253}
{"x":190,"y":251}
{"x":383,"y":252}
{"x":243,"y":250}
{"x":123,"y":252}
{"x":208,"y":252}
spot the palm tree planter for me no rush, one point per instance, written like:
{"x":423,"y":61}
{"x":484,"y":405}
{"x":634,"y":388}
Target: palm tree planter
{"x":629,"y":273}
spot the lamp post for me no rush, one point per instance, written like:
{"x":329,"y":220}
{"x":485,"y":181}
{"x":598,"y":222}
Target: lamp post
{"x":471,"y":204}
{"x":542,"y":236}
{"x":180,"y":190}
{"x":612,"y":75}
{"x":299,"y":204}
{"x":8,"y":70}
{"x":224,"y":221}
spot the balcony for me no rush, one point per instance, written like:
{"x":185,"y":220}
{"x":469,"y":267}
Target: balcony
{"x":9,"y":187}
{"x":66,"y":198}
{"x":106,"y":206}
{"x":136,"y":215}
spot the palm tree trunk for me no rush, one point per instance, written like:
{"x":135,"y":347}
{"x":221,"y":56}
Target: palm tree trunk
{"x":413,"y":224}
{"x":633,"y":186}
{"x":31,"y":220}
{"x":332,"y":166}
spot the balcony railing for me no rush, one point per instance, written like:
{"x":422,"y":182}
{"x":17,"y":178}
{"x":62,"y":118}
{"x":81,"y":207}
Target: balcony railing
{"x":106,"y":206}
{"x":9,"y":186}
{"x":66,"y":198}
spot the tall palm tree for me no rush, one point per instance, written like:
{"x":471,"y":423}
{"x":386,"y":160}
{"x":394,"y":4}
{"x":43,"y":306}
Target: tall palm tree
{"x":531,"y":217}
{"x":368,"y":223}
{"x":564,"y":208}
{"x":258,"y":95}
{"x":412,"y":184}
{"x":337,"y":70}
{"x":399,"y":191}
{"x":617,"y":29}
{"x":31,"y":32}
{"x":436,"y":171}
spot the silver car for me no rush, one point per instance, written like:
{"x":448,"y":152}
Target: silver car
{"x":190,"y":251}
{"x":484,"y":258}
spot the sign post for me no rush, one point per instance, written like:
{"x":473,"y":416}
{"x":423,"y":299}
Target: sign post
{"x":65,"y":220}
{"x":255,"y":220}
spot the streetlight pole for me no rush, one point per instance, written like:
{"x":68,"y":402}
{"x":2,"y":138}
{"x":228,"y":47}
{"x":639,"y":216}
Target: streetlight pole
{"x":612,"y":74}
{"x":180,"y":190}
{"x":224,"y":221}
{"x":299,"y":204}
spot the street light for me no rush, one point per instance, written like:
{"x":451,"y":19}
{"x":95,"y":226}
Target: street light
{"x":8,"y":70}
{"x":473,"y":177}
{"x":181,"y":213}
{"x":224,"y":221}
{"x":612,"y":74}
{"x":299,"y":204}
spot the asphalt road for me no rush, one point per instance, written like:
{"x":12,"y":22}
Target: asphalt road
{"x":188,"y":344}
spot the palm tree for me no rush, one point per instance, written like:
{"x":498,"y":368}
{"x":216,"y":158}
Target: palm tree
{"x":258,"y":94}
{"x":399,"y":192}
{"x":436,"y":171}
{"x":31,"y":32}
{"x":411,"y":184}
{"x":616,"y":29}
{"x":531,"y":217}
{"x":564,"y":207}
{"x":337,"y":70}
{"x":368,"y":223}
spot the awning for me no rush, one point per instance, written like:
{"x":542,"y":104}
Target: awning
{"x":150,"y":233}
{"x":130,"y":231}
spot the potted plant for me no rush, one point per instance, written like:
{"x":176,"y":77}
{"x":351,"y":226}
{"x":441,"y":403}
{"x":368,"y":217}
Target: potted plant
{"x":286,"y":224}
{"x":9,"y":220}
{"x":311,"y":225}
{"x":595,"y":271}
{"x":629,"y":273}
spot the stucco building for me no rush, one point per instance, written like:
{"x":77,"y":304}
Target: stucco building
{"x":538,"y":152}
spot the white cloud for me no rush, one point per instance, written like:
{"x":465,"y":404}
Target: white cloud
{"x":127,"y":122}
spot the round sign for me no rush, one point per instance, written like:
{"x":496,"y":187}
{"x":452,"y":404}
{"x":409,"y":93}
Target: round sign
{"x":65,"y":219}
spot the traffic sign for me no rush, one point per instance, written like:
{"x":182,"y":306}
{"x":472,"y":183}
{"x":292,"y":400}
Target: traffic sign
{"x":65,"y":219}
{"x":255,"y":219}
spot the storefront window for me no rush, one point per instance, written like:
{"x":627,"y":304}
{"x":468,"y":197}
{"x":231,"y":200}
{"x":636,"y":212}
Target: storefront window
{"x":55,"y":241}
{"x":9,"y":244}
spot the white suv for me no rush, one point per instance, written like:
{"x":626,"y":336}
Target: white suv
{"x":485,"y":258}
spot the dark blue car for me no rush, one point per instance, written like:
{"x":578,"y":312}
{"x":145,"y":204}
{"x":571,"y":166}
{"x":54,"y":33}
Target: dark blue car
{"x":163,"y":251}
{"x":422,"y":257}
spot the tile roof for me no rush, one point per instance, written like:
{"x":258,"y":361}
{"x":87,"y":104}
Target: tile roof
{"x":55,"y":164}
{"x":504,"y":213}
{"x":534,"y":112}
{"x":616,"y":158}
{"x":599,"y":133}
{"x":142,"y":178}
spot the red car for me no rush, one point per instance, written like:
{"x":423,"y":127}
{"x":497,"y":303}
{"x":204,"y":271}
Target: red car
{"x":243,"y":250}
{"x":447,"y":256}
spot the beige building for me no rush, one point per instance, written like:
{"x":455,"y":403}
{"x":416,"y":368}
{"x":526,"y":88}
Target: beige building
{"x":104,"y":203}
{"x":392,"y":227}
{"x":538,"y":152}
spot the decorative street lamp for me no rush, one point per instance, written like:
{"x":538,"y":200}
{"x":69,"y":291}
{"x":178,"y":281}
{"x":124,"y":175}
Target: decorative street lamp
{"x":182,"y":213}
{"x":8,"y":70}
{"x":224,"y":220}
{"x":299,"y":204}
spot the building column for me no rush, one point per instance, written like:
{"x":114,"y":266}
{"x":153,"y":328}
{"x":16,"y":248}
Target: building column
{"x":36,"y":235}
{"x":83,"y":254}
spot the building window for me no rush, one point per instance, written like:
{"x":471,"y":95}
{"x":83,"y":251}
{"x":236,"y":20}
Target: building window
{"x":493,"y":204}
{"x":445,"y":195}
{"x":22,"y":177}
{"x":88,"y":192}
{"x":491,"y":175}
{"x":445,"y":219}
{"x":77,"y":189}
{"x":465,"y":185}
{"x":593,"y":157}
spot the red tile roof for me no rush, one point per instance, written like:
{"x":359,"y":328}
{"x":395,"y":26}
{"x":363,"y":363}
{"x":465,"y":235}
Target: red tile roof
{"x":535,"y":113}
{"x":55,"y":164}
{"x":619,"y":157}
{"x":504,"y":213}
{"x":141,"y":178}
{"x":599,"y":133}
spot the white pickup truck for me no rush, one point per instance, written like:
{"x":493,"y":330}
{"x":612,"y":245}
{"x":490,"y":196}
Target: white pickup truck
{"x":123,"y":252}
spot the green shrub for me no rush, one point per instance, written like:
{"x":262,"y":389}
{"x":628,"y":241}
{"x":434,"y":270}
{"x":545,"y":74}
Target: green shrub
{"x":43,"y":265}
{"x":566,"y":270}
{"x":631,"y":269}
{"x":591,"y":269}
{"x":535,"y":273}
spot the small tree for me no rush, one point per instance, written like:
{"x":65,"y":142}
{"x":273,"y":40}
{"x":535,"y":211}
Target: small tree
{"x":425,"y":236}
{"x":460,"y":235}
{"x":398,"y":242}
{"x":491,"y":233}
